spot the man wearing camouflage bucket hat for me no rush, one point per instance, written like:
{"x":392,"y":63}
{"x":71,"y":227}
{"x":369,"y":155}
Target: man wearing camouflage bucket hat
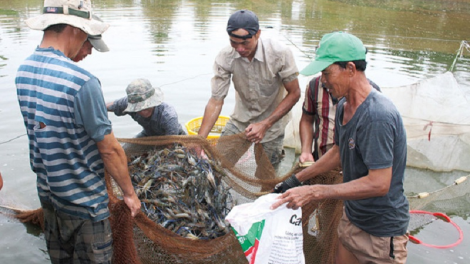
{"x":70,"y":137}
{"x":144,"y":103}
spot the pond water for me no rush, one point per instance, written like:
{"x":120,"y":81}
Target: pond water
{"x":173,"y":44}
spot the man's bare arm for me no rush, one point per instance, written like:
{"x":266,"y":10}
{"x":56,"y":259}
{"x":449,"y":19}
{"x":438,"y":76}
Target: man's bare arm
{"x":306,"y":137}
{"x":375,"y":184}
{"x":331,"y":160}
{"x":115,"y":162}
{"x":255,"y":132}
{"x":211,"y":113}
{"x":108,"y":106}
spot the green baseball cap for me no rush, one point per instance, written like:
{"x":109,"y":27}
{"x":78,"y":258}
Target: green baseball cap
{"x":334,"y":47}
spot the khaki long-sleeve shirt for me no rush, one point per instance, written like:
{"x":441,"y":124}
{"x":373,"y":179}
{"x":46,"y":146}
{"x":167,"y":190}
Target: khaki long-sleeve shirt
{"x":259,"y":84}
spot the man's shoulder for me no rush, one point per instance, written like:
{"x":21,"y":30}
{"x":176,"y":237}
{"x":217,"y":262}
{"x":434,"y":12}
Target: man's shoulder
{"x":316,"y":90}
{"x":374,"y":85}
{"x":273,"y":44}
{"x":45,"y":58}
{"x":315,"y":82}
{"x":56,"y":57}
{"x":226,"y":57}
{"x":377,"y":96}
{"x":227,"y":52}
{"x":76,"y":69}
{"x":381,"y":107}
{"x":166,"y":108}
{"x":82,"y":71}
{"x":273,"y":47}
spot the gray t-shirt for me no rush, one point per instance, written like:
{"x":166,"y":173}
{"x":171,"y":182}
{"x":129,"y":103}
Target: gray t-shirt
{"x":163,"y":122}
{"x":374,"y":138}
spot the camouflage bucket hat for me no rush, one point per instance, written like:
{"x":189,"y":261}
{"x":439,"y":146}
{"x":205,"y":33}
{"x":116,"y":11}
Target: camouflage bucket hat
{"x":141,"y":95}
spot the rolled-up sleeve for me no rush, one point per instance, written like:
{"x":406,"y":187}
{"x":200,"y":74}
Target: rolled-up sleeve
{"x":289,"y":70}
{"x":90,"y":110}
{"x":220,"y":82}
{"x":119,"y":106}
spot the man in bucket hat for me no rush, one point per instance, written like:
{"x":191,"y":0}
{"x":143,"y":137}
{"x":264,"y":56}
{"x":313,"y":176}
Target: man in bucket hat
{"x":144,"y":103}
{"x":264,"y":76}
{"x":70,"y":137}
{"x":370,"y":145}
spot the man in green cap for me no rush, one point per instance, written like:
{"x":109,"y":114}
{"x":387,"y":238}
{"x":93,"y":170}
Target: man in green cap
{"x":370,"y":145}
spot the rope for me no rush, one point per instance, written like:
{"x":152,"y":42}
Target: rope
{"x":186,"y":79}
{"x":305,"y":53}
{"x":445,"y":218}
{"x":463,"y":45}
{"x":426,"y":194}
{"x":9,"y":208}
{"x":3,"y":142}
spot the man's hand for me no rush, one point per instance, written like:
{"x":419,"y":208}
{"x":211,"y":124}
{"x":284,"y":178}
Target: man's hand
{"x":291,"y":182}
{"x":255,"y":132}
{"x":199,"y":152}
{"x":133,"y":203}
{"x":306,"y":157}
{"x":300,"y":196}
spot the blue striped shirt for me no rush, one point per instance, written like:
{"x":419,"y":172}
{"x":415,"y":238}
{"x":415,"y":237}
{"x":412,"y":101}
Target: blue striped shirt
{"x":63,"y":151}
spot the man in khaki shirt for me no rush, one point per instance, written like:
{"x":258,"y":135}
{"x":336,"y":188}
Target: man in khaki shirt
{"x":264,"y":75}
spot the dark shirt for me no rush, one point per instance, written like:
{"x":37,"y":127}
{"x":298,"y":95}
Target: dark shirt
{"x":374,"y":138}
{"x":163,"y":122}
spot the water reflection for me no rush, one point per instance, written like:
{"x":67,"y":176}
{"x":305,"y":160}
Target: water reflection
{"x":416,"y":6}
{"x":425,"y":31}
{"x":160,"y":18}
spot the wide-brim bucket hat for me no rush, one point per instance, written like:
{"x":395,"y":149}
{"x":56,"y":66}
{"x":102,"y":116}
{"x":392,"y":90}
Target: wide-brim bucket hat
{"x":77,"y":13}
{"x":142,"y":95}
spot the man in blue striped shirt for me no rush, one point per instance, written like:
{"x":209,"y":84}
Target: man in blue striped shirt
{"x":70,"y":137}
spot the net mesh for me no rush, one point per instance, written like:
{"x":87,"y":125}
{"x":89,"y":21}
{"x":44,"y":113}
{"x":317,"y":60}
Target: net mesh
{"x":249,"y":174}
{"x":247,"y":171}
{"x":141,"y":240}
{"x":435,"y":112}
{"x":453,"y":198}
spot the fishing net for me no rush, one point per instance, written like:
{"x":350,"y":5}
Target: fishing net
{"x":246,"y":171}
{"x":453,"y":198}
{"x":436,"y":113}
{"x":434,"y":117}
